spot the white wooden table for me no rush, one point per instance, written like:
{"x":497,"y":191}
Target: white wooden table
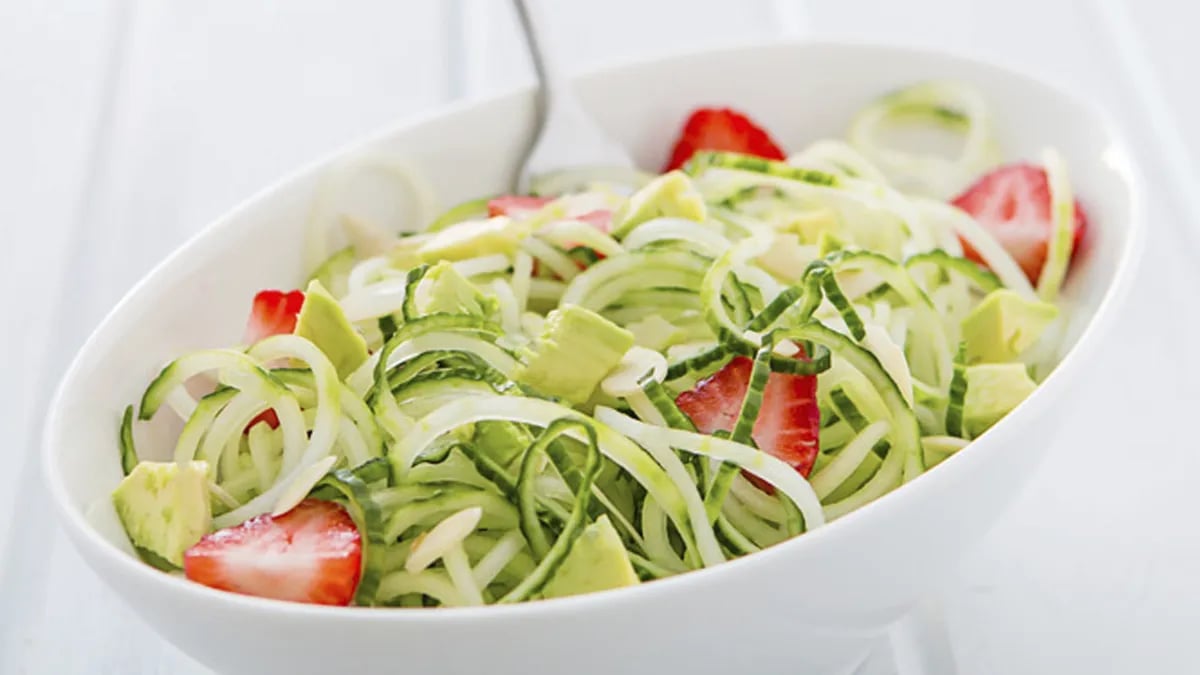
{"x":128,"y":125}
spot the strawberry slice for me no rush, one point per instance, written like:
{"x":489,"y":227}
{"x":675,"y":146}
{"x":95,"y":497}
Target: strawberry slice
{"x":722,"y":129}
{"x":788,"y":422}
{"x":273,"y":313}
{"x":601,"y":219}
{"x":267,"y":417}
{"x":312,"y":554}
{"x":521,"y":205}
{"x":515,"y":205}
{"x":1013,"y":203}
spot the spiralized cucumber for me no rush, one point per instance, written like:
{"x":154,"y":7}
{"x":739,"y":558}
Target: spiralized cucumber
{"x":943,"y":105}
{"x":473,"y":481}
{"x":1062,"y":238}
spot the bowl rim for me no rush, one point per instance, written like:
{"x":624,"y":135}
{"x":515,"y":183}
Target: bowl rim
{"x":90,"y":543}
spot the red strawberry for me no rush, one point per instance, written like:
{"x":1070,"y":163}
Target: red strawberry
{"x":312,"y":554}
{"x":1013,"y":203}
{"x":788,"y":421}
{"x":722,"y":129}
{"x":273,"y":313}
{"x":267,"y":416}
{"x":601,"y":219}
{"x":516,"y":205}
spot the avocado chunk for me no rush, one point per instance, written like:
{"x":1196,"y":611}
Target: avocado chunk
{"x":671,"y":194}
{"x":810,"y":224}
{"x":577,"y":348}
{"x":597,"y":562}
{"x":828,"y":242}
{"x":475,"y":238}
{"x":787,"y":258}
{"x":323,"y":323}
{"x":445,"y":290}
{"x":333,"y":272}
{"x":502,"y":440}
{"x":655,"y":332}
{"x":164,"y":507}
{"x":994,"y":389}
{"x":1004,"y":325}
{"x":405,"y":253}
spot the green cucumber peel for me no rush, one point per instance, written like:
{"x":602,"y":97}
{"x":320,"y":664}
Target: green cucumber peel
{"x":349,"y":489}
{"x":129,"y":456}
{"x":555,"y":554}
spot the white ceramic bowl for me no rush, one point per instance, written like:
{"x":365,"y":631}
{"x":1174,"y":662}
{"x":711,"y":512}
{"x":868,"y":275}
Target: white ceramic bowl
{"x":812,"y":604}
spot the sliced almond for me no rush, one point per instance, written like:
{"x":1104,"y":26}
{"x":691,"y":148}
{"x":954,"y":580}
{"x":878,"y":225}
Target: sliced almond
{"x":368,"y":239}
{"x":891,"y":357}
{"x":624,"y":379}
{"x":299,"y":488}
{"x":447,"y":534}
{"x":786,"y":348}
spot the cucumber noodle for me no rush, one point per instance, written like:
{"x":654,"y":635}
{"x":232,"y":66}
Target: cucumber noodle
{"x":847,"y":249}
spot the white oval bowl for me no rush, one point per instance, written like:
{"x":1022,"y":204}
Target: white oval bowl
{"x":812,"y":604}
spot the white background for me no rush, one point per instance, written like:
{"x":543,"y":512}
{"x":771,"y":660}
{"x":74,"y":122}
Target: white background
{"x":126,"y":126}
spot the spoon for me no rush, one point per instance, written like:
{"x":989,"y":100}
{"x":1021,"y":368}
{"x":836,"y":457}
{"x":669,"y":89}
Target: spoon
{"x":566,"y":137}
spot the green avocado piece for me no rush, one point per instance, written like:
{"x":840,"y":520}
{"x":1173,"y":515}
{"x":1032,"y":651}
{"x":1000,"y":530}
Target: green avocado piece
{"x":994,"y":389}
{"x":405,"y":254}
{"x":597,"y":562}
{"x":787,"y":258}
{"x":1004,"y":325}
{"x":501,"y":440}
{"x":164,"y":507}
{"x":671,"y":194}
{"x":322,"y":322}
{"x":577,"y":348}
{"x":811,"y":224}
{"x":828,"y":242}
{"x":445,"y":290}
{"x":333,"y":272}
{"x":655,"y":332}
{"x":475,"y":238}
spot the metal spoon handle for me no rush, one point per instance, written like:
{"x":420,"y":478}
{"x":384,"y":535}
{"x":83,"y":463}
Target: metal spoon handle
{"x":566,"y":137}
{"x":533,"y":25}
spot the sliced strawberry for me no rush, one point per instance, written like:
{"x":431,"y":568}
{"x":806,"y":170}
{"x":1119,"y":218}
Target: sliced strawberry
{"x":273,"y":313}
{"x":267,"y":416}
{"x":722,"y":129}
{"x":788,"y":421}
{"x":715,"y":401}
{"x":1013,"y":203}
{"x":516,"y":205}
{"x":312,"y":554}
{"x":601,"y":219}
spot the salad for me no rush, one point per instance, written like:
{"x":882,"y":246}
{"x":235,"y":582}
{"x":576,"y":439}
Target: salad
{"x":620,"y":377}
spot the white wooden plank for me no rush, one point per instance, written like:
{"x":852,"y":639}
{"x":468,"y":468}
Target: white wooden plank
{"x":1054,"y":40}
{"x":1078,"y":576}
{"x":1158,"y":88}
{"x":1165,"y":32}
{"x":223,"y":98}
{"x":49,"y":162}
{"x":214,"y":100}
{"x":589,"y":35}
{"x":47,"y":133}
